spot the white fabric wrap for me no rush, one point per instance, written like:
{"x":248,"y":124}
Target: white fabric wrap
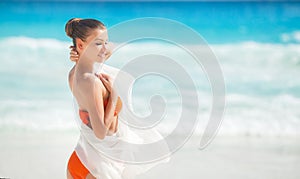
{"x":95,"y":153}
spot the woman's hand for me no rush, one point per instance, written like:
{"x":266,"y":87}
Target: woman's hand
{"x":108,"y":83}
{"x":73,"y":54}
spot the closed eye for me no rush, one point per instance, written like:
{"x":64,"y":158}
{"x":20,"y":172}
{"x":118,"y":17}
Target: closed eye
{"x":101,"y":43}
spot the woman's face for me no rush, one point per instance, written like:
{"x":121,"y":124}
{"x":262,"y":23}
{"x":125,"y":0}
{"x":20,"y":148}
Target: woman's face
{"x":97,"y":45}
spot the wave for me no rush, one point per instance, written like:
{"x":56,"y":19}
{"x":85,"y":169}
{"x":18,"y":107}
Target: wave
{"x":261,"y":116}
{"x":262,"y":85}
{"x":24,"y":52}
{"x":36,"y":115}
{"x":292,"y":37}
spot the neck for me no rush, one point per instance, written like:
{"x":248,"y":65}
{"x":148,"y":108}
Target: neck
{"x":85,"y":66}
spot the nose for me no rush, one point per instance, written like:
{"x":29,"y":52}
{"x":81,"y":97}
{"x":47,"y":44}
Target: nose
{"x":104,"y":47}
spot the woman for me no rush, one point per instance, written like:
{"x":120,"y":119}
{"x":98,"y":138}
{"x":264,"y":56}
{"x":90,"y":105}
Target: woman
{"x":99,"y":108}
{"x":96,"y":98}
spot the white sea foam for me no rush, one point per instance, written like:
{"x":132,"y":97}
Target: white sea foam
{"x":262,"y":85}
{"x":291,"y":37}
{"x":37,"y":115}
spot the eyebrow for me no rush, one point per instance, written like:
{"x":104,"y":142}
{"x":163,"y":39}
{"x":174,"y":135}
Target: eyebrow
{"x":99,"y":39}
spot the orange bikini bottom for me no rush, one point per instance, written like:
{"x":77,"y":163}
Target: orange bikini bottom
{"x":76,"y":168}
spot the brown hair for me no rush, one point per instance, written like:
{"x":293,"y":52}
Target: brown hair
{"x":81,"y":28}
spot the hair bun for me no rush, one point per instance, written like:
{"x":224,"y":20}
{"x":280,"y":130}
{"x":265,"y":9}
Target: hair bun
{"x":71,"y":25}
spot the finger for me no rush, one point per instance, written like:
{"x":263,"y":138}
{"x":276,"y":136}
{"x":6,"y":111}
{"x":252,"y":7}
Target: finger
{"x":104,"y":81}
{"x":106,"y":76}
{"x":103,"y":74}
{"x":73,"y":52}
{"x":74,"y":59}
{"x":106,"y":84}
{"x":98,"y":75}
{"x":74,"y":55}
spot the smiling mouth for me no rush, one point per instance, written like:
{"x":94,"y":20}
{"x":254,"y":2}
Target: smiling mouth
{"x":102,"y":55}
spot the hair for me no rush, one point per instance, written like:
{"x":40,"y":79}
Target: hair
{"x":82,"y":28}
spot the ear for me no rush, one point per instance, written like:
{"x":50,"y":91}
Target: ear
{"x":79,"y":45}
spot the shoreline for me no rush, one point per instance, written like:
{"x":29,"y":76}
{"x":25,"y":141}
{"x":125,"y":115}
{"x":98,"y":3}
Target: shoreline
{"x":30,"y":155}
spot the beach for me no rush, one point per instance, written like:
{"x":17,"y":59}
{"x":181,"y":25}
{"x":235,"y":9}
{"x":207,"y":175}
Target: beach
{"x":45,"y":156}
{"x":247,"y":158}
{"x":254,"y":44}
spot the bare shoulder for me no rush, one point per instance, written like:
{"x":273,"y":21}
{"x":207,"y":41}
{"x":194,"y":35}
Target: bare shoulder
{"x":90,"y":82}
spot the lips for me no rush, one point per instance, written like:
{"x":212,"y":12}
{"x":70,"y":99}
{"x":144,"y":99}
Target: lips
{"x":102,"y":55}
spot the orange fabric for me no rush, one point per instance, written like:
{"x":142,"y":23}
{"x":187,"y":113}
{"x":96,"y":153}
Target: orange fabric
{"x":84,"y":115}
{"x":76,"y":168}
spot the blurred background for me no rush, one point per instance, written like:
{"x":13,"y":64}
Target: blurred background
{"x":257,"y":45}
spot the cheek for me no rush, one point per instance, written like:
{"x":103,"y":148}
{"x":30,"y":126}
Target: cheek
{"x":98,"y":47}
{"x":95,"y":49}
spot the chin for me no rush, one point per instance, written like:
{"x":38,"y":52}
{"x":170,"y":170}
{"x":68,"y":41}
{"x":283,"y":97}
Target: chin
{"x":100,"y":60}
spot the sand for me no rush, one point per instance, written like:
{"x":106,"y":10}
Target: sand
{"x":44,"y":155}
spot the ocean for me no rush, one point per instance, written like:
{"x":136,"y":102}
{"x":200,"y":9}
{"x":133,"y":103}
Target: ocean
{"x":257,"y":45}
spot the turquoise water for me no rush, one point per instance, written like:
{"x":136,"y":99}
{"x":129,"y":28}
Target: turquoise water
{"x":218,"y":22}
{"x":257,"y":44}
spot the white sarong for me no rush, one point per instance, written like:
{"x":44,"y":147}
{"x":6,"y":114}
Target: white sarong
{"x":112,"y":157}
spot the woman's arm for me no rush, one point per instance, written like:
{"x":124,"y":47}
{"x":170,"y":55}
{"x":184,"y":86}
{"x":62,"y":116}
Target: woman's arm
{"x":91,"y":90}
{"x":110,"y":118}
{"x":71,"y":76}
{"x":111,"y":121}
{"x":73,"y":57}
{"x":114,"y":125}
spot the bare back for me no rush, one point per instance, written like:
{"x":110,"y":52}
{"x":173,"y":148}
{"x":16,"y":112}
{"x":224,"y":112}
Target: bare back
{"x":76,"y":88}
{"x":90,"y":93}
